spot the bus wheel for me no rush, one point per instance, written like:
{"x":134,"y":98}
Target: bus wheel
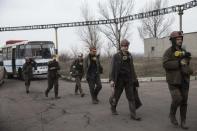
{"x":20,"y":74}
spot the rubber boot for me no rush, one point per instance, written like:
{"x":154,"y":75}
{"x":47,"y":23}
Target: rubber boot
{"x":56,"y":95}
{"x":183,"y":112}
{"x":113,"y":104}
{"x":94,"y":101}
{"x":133,"y":111}
{"x":81,"y":92}
{"x":27,"y":89}
{"x":46,"y":93}
{"x":76,"y":89}
{"x":172,"y":115}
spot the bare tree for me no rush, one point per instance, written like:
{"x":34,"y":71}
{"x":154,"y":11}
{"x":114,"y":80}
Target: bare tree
{"x":109,"y":50}
{"x":112,"y":10}
{"x":74,"y":51}
{"x":156,"y":26}
{"x":90,"y":34}
{"x":64,"y":57}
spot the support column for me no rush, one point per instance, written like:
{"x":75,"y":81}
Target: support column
{"x":56,"y":40}
{"x":180,"y":18}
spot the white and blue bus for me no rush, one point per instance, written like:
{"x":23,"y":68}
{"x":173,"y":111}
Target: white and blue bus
{"x":14,"y":55}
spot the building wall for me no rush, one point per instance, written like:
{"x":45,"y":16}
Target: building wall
{"x":156,"y":47}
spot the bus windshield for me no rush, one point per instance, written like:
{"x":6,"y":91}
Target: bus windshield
{"x":39,"y":50}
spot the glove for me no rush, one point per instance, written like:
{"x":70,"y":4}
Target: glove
{"x":183,"y":62}
{"x":112,"y":84}
{"x":187,"y":54}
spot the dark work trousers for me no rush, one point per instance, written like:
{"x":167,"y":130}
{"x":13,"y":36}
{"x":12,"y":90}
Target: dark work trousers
{"x":94,"y":86}
{"x":125,"y":84}
{"x":53,"y":83}
{"x":179,"y":96}
{"x":27,"y":81}
{"x":78,"y":85}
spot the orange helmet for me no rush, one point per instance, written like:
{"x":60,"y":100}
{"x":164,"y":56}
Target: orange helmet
{"x":176,"y":34}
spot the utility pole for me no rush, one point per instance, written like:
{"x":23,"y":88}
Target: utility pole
{"x":56,"y":40}
{"x":180,"y":18}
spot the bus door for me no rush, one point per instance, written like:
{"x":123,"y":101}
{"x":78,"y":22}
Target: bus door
{"x":14,"y":60}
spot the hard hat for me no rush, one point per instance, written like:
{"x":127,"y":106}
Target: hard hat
{"x":176,"y":34}
{"x":92,"y":48}
{"x":124,"y":42}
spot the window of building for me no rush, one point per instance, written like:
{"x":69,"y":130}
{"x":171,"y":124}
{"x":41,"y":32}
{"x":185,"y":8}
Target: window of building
{"x":152,"y":48}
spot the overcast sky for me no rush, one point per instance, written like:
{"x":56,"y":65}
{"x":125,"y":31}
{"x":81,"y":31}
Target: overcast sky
{"x":34,"y":12}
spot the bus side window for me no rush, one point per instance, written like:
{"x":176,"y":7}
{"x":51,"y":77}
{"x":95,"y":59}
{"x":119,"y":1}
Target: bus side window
{"x":17,"y":52}
{"x":9,"y":53}
{"x":21,"y":51}
{"x":1,"y":59}
{"x":5,"y":53}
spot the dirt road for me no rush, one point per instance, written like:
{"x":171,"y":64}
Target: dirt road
{"x":35,"y":112}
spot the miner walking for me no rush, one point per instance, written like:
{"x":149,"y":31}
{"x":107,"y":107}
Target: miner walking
{"x":176,"y":62}
{"x":92,"y":70}
{"x":76,"y":71}
{"x":53,"y":76}
{"x":28,"y":72}
{"x":123,"y":77}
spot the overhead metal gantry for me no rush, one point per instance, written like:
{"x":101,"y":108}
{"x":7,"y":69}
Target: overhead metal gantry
{"x":163,"y":11}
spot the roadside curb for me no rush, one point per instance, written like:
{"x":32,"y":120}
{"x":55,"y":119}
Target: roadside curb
{"x":140,"y":79}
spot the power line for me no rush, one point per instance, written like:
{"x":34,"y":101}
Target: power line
{"x":163,"y":11}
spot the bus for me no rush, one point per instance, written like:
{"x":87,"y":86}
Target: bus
{"x":15,"y":52}
{"x":1,"y":69}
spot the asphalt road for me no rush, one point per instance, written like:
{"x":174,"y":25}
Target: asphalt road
{"x":35,"y":112}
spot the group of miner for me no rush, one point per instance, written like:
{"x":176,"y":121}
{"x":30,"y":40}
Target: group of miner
{"x":122,"y":76}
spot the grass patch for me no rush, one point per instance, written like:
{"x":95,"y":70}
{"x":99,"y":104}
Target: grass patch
{"x":145,"y":67}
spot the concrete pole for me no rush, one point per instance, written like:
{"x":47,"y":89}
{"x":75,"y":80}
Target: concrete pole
{"x":56,"y":40}
{"x":180,"y":19}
